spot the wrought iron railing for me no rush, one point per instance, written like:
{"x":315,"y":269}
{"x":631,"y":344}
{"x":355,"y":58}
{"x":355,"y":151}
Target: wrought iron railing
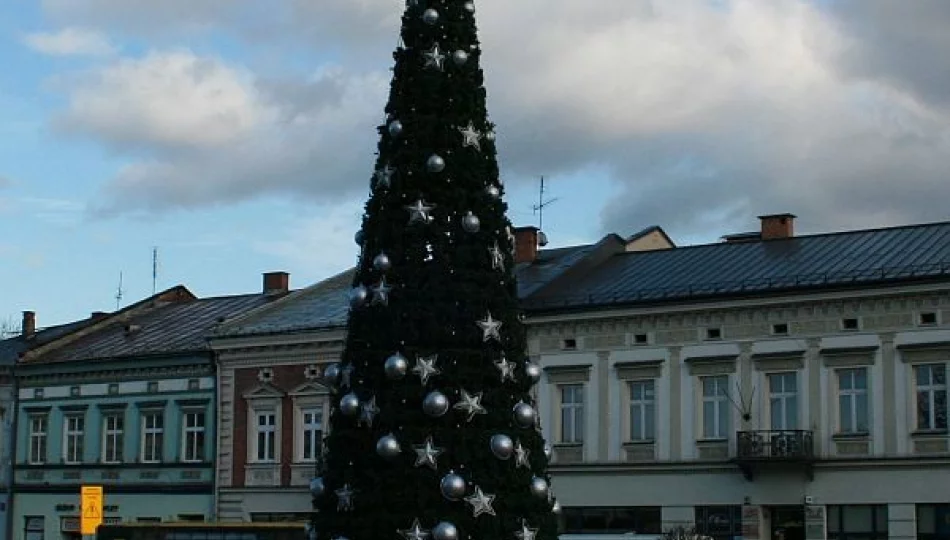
{"x":789,"y":444}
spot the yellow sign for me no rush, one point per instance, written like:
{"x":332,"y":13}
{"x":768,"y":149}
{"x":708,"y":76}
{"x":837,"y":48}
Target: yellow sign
{"x":90,"y":505}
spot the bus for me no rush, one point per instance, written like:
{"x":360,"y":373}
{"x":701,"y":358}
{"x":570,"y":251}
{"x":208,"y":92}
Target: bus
{"x":203,"y":531}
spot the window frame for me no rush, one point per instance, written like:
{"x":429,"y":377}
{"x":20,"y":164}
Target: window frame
{"x":575,"y":410}
{"x":118,"y":434}
{"x":719,"y":400}
{"x":639,"y":410}
{"x":854,"y":395}
{"x":73,"y":438}
{"x":784,"y":396}
{"x":932,"y":389}
{"x":307,"y":432}
{"x":41,"y":436}
{"x":157,"y":433}
{"x":256,"y":433}
{"x":196,"y":432}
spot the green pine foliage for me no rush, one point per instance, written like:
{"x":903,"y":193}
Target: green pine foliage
{"x":439,"y":278}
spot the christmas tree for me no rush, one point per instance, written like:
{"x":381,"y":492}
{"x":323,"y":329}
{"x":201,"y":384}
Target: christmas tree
{"x":434,"y":433}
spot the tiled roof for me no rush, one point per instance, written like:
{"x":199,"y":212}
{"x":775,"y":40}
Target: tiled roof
{"x":855,"y":258}
{"x":11,"y":348}
{"x":169,"y":328}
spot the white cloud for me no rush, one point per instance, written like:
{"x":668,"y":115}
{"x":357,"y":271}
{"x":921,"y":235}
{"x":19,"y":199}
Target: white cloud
{"x":70,"y":42}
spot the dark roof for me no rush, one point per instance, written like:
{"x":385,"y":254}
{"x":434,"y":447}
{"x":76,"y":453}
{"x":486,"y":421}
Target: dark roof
{"x":11,"y":348}
{"x":323,"y":305}
{"x":835,"y":260}
{"x":548,"y":266}
{"x":167,"y":328}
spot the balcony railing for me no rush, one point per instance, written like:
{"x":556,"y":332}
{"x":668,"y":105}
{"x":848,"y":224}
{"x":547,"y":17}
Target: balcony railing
{"x":775,"y":445}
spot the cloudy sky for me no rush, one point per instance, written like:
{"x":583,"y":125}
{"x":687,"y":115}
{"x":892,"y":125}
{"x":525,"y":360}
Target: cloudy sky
{"x":238,"y":135}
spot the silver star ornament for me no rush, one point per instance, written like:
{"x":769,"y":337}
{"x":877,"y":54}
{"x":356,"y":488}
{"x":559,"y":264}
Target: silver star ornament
{"x":427,"y":454}
{"x":506,"y":369}
{"x":481,"y":503}
{"x":384,"y":176}
{"x":470,"y":136}
{"x":470,"y":405}
{"x":381,"y":293}
{"x":344,"y":498}
{"x":416,"y":532}
{"x":490,"y":328}
{"x":497,"y":257}
{"x":368,"y":412}
{"x":434,"y":57}
{"x":419,"y":212}
{"x":521,"y":456}
{"x":526,"y":533}
{"x":425,"y":368}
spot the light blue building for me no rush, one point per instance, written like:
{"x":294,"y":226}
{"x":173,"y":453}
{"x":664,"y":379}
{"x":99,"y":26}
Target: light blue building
{"x":127,"y":403}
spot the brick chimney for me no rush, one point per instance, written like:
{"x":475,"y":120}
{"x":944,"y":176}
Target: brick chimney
{"x":526,"y":244}
{"x":276,"y":282}
{"x":775,"y":226}
{"x":28,"y":327}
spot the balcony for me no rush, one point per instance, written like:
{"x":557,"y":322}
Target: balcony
{"x":777,"y":449}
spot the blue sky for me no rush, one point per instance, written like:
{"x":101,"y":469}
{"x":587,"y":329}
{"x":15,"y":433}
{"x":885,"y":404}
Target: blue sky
{"x":239,"y":141}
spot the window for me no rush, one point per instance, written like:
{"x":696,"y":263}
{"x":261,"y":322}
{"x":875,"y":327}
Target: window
{"x":113,"y":427}
{"x":266,"y":436}
{"x":715,"y":407}
{"x":193,"y":436}
{"x":857,"y":522}
{"x":642,"y":411}
{"x":850,"y":324}
{"x":153,"y":431}
{"x":312,"y":424}
{"x":713,"y":333}
{"x":572,"y":413}
{"x":641,"y":339}
{"x":38,"y":435}
{"x":73,"y":427}
{"x":780,"y":329}
{"x":569,"y":344}
{"x":34,"y":527}
{"x":933,"y":521}
{"x":618,"y":520}
{"x":853,"y":400}
{"x":783,"y":401}
{"x":931,"y":382}
{"x":927,"y":318}
{"x":719,"y":522}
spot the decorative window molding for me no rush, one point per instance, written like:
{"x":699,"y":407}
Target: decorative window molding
{"x":265,"y":375}
{"x":712,"y":365}
{"x":835,"y":357}
{"x":264,"y":415}
{"x":650,"y":369}
{"x":779,"y":361}
{"x":925,"y":353}
{"x":312,"y":372}
{"x":311,"y":419}
{"x":568,"y":374}
{"x":112,"y":406}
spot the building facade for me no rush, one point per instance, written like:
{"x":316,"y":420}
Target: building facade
{"x":127,"y":403}
{"x":769,"y":387}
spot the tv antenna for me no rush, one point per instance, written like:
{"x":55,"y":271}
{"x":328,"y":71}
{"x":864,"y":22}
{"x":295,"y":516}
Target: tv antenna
{"x":154,"y":269}
{"x":539,"y":208}
{"x":118,"y":293}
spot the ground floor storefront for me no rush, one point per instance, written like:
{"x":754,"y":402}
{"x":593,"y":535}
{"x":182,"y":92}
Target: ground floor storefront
{"x":264,"y":504}
{"x":55,"y":516}
{"x":873,"y":502}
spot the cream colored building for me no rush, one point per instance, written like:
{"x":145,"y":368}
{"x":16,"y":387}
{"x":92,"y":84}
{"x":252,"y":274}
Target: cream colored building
{"x":769,"y":386}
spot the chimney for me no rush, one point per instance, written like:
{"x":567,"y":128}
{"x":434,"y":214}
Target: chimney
{"x":526,"y":244}
{"x":96,"y":315}
{"x":276,"y":282}
{"x":776,"y":226}
{"x":28,"y":327}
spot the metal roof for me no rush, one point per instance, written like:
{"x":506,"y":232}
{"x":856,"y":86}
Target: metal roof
{"x":170,"y":328}
{"x":865,"y":257}
{"x":11,"y":348}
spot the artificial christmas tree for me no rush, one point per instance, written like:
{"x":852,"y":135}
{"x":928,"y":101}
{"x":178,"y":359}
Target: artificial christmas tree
{"x":433,"y":429}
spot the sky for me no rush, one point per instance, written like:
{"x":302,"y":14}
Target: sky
{"x":238,"y":136}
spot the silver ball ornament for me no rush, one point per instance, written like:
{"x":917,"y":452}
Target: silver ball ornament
{"x":435,"y":404}
{"x":490,"y":136}
{"x":382,"y":262}
{"x":452,"y":487}
{"x":396,"y":366}
{"x":548,"y":451}
{"x":502,"y":446}
{"x":533,"y":371}
{"x":395,"y":128}
{"x":358,"y":296}
{"x":445,"y":531}
{"x":469,"y":7}
{"x":350,"y":404}
{"x":470,"y":223}
{"x":539,"y":487}
{"x":435,"y":163}
{"x":430,"y":16}
{"x":459,"y":57}
{"x":556,"y":508}
{"x":358,"y":237}
{"x":388,"y":447}
{"x":317,"y":488}
{"x":331,"y":375}
{"x":524,"y":415}
{"x":493,"y":192}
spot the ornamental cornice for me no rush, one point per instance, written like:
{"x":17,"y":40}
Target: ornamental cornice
{"x":197,"y":370}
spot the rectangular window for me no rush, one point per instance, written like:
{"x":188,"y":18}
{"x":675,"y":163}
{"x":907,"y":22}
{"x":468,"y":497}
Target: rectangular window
{"x":38,"y":437}
{"x":645,"y":520}
{"x":113,"y":428}
{"x":715,"y":407}
{"x":266,"y":436}
{"x":193,"y":436}
{"x":783,"y":400}
{"x":857,"y":522}
{"x":933,"y":521}
{"x":853,"y":400}
{"x":572,"y":413}
{"x":34,"y":527}
{"x":642,"y":411}
{"x":312,"y":420}
{"x":73,"y":427}
{"x":931,"y":380}
{"x":719,"y":522}
{"x":153,"y":439}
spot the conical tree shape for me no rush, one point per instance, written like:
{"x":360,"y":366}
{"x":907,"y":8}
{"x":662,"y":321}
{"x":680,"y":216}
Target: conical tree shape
{"x":433,"y":429}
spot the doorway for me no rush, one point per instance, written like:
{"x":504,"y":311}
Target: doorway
{"x":788,"y":522}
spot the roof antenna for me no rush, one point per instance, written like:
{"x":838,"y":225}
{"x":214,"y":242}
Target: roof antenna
{"x":539,"y":210}
{"x":118,"y":293}
{"x":154,"y":269}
